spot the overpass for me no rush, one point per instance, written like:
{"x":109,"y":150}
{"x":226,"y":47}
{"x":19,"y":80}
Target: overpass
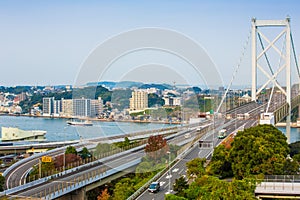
{"x":86,"y":177}
{"x":283,"y":187}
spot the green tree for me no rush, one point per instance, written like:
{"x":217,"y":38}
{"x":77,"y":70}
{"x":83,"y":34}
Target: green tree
{"x":84,"y":153}
{"x":154,"y":99}
{"x":102,"y":148}
{"x":144,"y":169}
{"x":291,"y":167}
{"x":173,"y":197}
{"x":296,"y":157}
{"x":180,"y":185}
{"x":120,"y":98}
{"x":2,"y":183}
{"x":294,"y":148}
{"x":209,"y":187}
{"x":220,"y":164}
{"x":123,"y":189}
{"x":258,"y":150}
{"x":71,"y":150}
{"x":46,"y":168}
{"x":195,"y":168}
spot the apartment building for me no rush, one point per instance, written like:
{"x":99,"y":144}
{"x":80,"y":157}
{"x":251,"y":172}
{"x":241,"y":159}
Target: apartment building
{"x":138,"y":100}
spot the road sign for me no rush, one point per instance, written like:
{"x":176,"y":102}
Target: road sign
{"x":46,"y":159}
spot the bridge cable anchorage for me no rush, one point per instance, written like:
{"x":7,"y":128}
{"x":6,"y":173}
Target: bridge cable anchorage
{"x":235,"y":71}
{"x":294,"y":52}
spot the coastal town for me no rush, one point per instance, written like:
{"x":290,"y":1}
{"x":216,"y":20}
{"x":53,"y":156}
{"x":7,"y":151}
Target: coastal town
{"x":111,"y":101}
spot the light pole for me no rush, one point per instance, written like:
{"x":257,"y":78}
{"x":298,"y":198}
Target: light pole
{"x":64,"y":152}
{"x":169,"y":191}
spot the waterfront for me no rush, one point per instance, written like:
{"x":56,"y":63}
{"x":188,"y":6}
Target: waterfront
{"x":58,"y":130}
{"x":295,"y":133}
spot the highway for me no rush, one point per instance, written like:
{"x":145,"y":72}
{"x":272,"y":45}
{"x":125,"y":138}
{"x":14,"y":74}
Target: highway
{"x":41,"y":190}
{"x":16,"y":175}
{"x":179,"y":169}
{"x":53,"y":185}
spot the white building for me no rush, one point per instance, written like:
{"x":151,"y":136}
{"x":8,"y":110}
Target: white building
{"x":172,"y":101}
{"x":138,"y":100}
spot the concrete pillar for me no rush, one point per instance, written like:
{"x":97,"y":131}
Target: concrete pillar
{"x":79,"y":194}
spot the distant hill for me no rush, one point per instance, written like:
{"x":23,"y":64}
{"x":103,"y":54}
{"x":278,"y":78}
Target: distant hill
{"x":158,"y":86}
{"x":111,"y":84}
{"x":128,"y":84}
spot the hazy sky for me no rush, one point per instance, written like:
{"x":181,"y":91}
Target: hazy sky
{"x":47,"y":42}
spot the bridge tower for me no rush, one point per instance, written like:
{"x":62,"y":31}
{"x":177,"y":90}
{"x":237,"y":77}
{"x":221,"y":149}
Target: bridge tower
{"x":272,"y":78}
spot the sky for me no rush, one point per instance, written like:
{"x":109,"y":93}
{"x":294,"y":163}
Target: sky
{"x":51,"y":42}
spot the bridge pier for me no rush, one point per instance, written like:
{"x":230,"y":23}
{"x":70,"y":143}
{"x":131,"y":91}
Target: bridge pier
{"x":79,"y":194}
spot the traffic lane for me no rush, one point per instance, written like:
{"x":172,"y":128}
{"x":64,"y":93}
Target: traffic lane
{"x":14,"y":178}
{"x":178,"y":170}
{"x":181,"y":165}
{"x":51,"y":186}
{"x":17,"y":176}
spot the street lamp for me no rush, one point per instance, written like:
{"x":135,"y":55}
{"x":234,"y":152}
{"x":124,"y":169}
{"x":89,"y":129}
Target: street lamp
{"x":64,"y":153}
{"x":169,"y":191}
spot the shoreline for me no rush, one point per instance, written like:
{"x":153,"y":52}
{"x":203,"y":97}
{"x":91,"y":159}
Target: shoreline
{"x":283,"y":124}
{"x":91,"y":119}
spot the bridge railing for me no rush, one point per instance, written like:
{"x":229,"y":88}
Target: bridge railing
{"x":39,"y":181}
{"x":287,"y":185}
{"x":25,"y":160}
{"x":282,"y":178}
{"x":83,"y":180}
{"x":282,"y":110}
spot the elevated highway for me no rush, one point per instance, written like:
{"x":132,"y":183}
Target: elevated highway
{"x":53,"y":187}
{"x":65,"y":183}
{"x":16,"y":174}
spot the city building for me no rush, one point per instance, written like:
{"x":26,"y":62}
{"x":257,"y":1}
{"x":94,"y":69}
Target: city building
{"x":48,"y":106}
{"x":57,"y":107}
{"x":172,"y":101}
{"x":67,"y":107}
{"x":138,"y":100}
{"x":72,"y":107}
{"x":82,"y":107}
{"x":96,"y":107}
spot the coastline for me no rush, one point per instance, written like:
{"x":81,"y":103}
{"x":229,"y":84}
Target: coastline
{"x":90,"y":119}
{"x":283,"y":124}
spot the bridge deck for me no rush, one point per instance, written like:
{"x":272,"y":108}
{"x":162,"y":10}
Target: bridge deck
{"x":278,"y":189}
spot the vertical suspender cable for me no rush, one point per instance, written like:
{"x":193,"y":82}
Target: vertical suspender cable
{"x":235,"y":71}
{"x":295,"y":57}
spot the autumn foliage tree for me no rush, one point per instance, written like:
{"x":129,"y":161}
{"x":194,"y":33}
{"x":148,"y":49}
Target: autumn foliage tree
{"x":104,"y":195}
{"x":156,"y":147}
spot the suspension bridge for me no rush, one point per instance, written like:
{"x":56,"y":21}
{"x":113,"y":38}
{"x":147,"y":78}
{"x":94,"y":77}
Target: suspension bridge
{"x":279,"y":107}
